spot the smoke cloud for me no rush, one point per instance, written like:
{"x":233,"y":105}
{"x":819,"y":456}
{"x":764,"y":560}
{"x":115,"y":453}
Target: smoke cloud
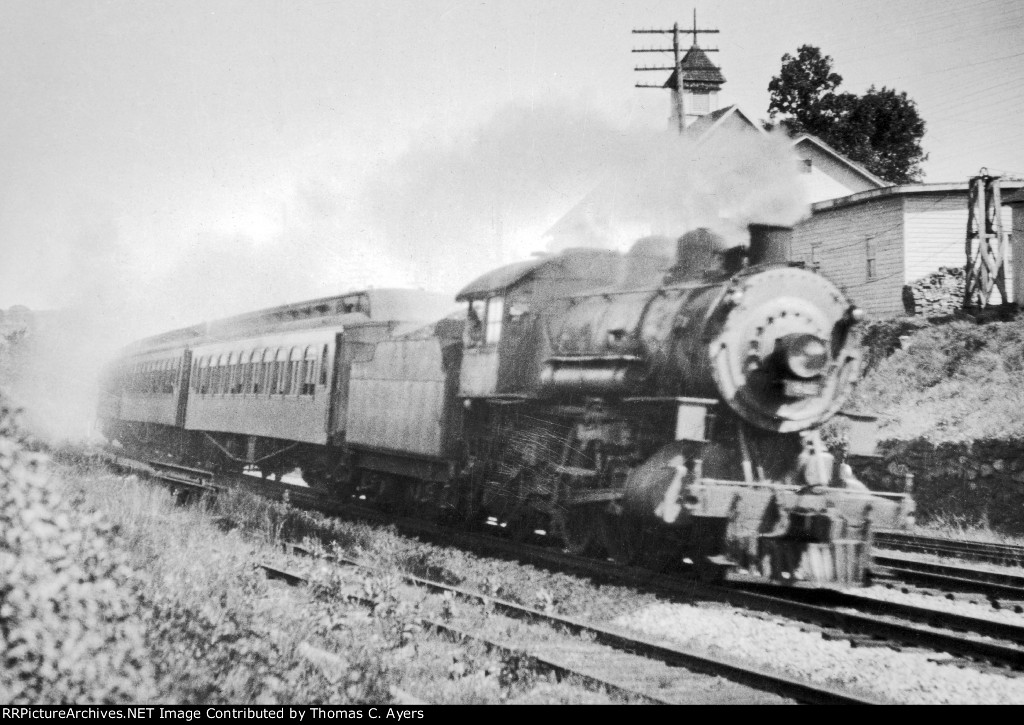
{"x":551,"y":177}
{"x":445,"y":210}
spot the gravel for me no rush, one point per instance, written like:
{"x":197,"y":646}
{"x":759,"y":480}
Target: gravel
{"x":982,"y":609}
{"x":880,"y":672}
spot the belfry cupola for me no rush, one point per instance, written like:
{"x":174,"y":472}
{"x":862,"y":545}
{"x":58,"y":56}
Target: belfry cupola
{"x":701,"y":81}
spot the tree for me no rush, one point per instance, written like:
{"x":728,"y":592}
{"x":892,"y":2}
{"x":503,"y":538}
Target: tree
{"x":880,"y":130}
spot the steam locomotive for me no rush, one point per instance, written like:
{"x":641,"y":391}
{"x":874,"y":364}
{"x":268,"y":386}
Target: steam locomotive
{"x":659,"y":407}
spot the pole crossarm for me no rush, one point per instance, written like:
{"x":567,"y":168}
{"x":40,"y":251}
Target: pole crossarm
{"x":669,"y":50}
{"x":676,"y":82}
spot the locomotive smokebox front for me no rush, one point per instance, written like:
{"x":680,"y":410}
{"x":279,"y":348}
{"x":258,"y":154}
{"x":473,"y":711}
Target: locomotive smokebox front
{"x":780,"y":349}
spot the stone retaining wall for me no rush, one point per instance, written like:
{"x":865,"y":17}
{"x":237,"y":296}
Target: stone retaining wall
{"x":980,"y":481}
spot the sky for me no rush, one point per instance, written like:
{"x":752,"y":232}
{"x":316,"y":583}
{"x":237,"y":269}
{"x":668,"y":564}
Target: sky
{"x":168,"y":162}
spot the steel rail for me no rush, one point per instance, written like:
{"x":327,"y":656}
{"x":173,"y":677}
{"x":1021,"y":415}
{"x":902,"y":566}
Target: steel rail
{"x":455,"y":634}
{"x":971,"y":550}
{"x":779,"y":603}
{"x":752,"y":677}
{"x":949,"y":576}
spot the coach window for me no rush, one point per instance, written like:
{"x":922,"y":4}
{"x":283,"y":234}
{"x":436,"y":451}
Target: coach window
{"x":218,"y":376}
{"x":291,"y":371}
{"x":225,"y":373}
{"x":263,"y":380}
{"x":308,"y":371}
{"x":207,"y":374}
{"x":231,"y":373}
{"x":227,"y":362}
{"x":241,"y":374}
{"x":282,"y":369}
{"x":869,"y":250}
{"x":259,"y":370}
{"x":323,"y":366}
{"x":270,"y":364}
{"x":211,"y":376}
{"x":274,"y":375}
{"x":260,"y":381}
{"x":249,"y":373}
{"x":238,"y":379}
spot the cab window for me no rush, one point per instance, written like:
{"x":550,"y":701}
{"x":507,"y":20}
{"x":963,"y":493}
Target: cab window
{"x":483,"y":321}
{"x":495,"y":315}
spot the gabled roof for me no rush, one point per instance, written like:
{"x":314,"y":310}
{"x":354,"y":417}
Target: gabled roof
{"x":698,"y":72}
{"x":854,"y":166}
{"x":705,"y":124}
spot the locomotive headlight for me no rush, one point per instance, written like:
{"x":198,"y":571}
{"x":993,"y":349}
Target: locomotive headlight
{"x":806,"y":355}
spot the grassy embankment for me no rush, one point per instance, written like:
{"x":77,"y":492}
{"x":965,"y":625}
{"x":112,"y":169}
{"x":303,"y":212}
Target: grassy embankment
{"x":951,"y":396}
{"x":162,"y":603}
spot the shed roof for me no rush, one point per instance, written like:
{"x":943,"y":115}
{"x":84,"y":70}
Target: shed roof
{"x":899,"y":191}
{"x":1015,"y":199}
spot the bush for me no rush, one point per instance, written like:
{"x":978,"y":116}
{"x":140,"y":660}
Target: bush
{"x":67,"y":633}
{"x":881,"y":338}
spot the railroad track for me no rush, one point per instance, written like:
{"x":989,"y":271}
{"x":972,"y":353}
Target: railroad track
{"x":634,"y":667}
{"x":1006,"y":554}
{"x":994,"y":585}
{"x":980,"y":642}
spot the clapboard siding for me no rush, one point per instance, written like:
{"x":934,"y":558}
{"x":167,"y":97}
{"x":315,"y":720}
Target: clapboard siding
{"x":827,"y":177}
{"x":1017,"y":240}
{"x":840,"y":237}
{"x":936,"y":227}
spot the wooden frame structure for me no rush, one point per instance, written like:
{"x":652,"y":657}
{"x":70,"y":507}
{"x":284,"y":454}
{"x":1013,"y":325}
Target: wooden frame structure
{"x":986,"y":245}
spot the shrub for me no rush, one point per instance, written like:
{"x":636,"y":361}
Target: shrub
{"x":67,"y":633}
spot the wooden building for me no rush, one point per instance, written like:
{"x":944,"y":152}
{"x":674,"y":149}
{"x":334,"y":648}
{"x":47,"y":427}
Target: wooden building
{"x":873,"y":243}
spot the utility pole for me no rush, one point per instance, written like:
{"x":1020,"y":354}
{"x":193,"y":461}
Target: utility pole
{"x":676,"y":85}
{"x":986,"y":245}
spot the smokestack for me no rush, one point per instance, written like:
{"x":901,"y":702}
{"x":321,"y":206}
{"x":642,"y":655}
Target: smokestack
{"x":769,"y":244}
